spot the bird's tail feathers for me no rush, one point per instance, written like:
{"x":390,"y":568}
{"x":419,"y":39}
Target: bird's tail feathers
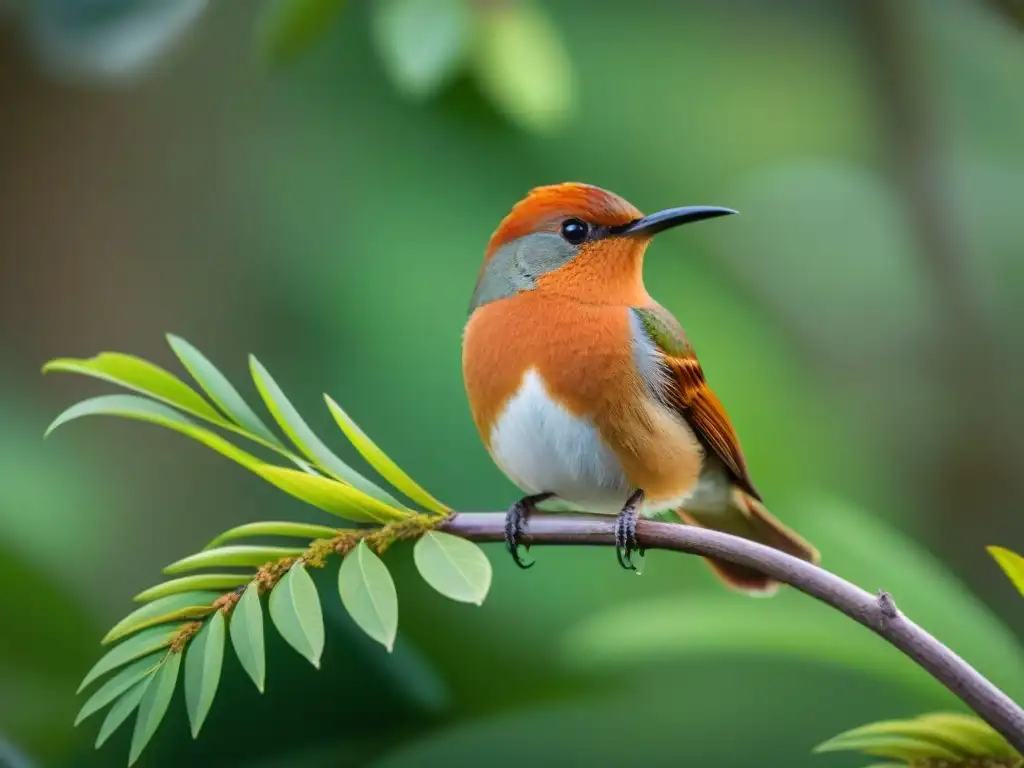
{"x":747,"y":517}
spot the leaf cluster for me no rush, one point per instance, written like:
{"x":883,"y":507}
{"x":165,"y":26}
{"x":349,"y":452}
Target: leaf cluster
{"x":512,"y":50}
{"x":221,"y":594}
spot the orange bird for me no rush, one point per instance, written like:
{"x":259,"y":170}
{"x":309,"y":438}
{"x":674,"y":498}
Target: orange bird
{"x":585,"y":389}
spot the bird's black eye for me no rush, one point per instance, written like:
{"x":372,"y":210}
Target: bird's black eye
{"x":574,"y":230}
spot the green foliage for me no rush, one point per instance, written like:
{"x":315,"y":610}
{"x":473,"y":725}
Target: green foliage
{"x":154,"y":703}
{"x":454,"y":567}
{"x":295,"y":610}
{"x":928,"y":740}
{"x":194,"y":614}
{"x":422,"y":43}
{"x":286,"y":28}
{"x":522,"y":65}
{"x":368,"y":593}
{"x":183,"y":605}
{"x":247,"y":635}
{"x":202,"y":670}
{"x":513,"y":49}
{"x":1012,"y":564}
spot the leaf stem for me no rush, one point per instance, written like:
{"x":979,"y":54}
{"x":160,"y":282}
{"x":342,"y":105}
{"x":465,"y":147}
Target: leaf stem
{"x":876,"y":612}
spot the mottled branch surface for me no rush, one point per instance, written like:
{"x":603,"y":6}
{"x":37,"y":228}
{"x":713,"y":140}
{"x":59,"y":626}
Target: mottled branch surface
{"x":877,"y":612}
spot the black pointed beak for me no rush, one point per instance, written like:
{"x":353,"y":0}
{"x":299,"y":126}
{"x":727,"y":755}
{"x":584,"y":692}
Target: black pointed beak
{"x":651,"y":225}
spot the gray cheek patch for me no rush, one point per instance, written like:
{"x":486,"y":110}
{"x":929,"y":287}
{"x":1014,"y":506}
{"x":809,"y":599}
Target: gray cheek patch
{"x":516,"y":266}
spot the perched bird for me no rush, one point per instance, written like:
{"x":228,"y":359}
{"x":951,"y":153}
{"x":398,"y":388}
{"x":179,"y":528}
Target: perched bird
{"x":584,"y":388}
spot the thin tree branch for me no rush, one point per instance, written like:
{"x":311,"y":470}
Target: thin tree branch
{"x":876,"y":612}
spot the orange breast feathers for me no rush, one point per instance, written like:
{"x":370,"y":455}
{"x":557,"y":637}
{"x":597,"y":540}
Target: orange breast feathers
{"x":583,"y":354}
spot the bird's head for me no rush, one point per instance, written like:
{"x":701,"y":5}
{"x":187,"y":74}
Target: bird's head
{"x":575,"y":240}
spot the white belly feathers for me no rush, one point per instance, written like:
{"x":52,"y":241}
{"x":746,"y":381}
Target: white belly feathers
{"x":542,"y":447}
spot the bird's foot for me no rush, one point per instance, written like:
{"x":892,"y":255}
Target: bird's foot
{"x":515,"y":526}
{"x":625,"y":532}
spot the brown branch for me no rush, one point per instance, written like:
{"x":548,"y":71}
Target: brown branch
{"x":876,"y":612}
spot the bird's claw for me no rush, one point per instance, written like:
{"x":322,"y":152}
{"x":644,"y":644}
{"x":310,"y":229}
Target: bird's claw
{"x":625,"y":532}
{"x":515,"y":527}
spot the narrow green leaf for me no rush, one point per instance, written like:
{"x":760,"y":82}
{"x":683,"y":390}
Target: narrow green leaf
{"x":456,"y":568}
{"x":232,"y":555}
{"x":330,"y":495}
{"x":1011,"y":563}
{"x":141,"y":376}
{"x":219,"y":389}
{"x":306,"y":441}
{"x":522,"y":65}
{"x":121,"y":709}
{"x":897,"y":747}
{"x":154,"y":704}
{"x":368,"y":594}
{"x":146,"y":641}
{"x":143,"y":409}
{"x":946,"y":733}
{"x":218,"y":581}
{"x":246,"y":629}
{"x":118,"y":684}
{"x":377,"y":459}
{"x":985,"y":738}
{"x":286,"y":28}
{"x":295,"y":530}
{"x":203,"y":661}
{"x":295,"y":610}
{"x":421,"y":42}
{"x":160,"y":611}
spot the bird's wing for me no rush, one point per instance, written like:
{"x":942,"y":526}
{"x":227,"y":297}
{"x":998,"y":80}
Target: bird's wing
{"x":688,"y":391}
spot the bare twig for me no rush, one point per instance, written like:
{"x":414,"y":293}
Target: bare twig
{"x":876,"y":612}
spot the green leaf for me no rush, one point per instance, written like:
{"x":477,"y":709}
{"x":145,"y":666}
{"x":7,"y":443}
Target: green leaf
{"x":331,"y":496}
{"x":939,"y":735}
{"x":456,"y":568}
{"x":146,"y":641}
{"x":377,"y":459}
{"x":220,"y":390}
{"x":118,"y":684}
{"x":186,"y":605}
{"x":899,"y":747}
{"x":246,"y":628}
{"x":368,"y":594}
{"x":1011,"y":563}
{"x":985,"y":738}
{"x":143,"y":409}
{"x":238,"y":554}
{"x":295,"y":609}
{"x":286,"y":28}
{"x":154,"y":704}
{"x":121,"y":709}
{"x":296,"y":530}
{"x":306,"y":441}
{"x":203,"y":662}
{"x":218,"y":581}
{"x":142,"y":376}
{"x":522,"y":65}
{"x":421,"y":42}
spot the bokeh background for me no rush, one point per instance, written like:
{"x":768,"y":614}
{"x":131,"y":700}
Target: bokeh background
{"x":318,"y":190}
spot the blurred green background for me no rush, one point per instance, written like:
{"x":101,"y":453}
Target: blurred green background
{"x":318,"y":190}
